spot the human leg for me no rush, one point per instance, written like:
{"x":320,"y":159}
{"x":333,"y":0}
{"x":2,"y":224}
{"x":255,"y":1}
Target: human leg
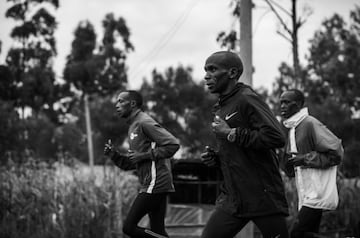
{"x":157,"y":214}
{"x":272,"y":226}
{"x":307,"y":222}
{"x":142,"y":205}
{"x":222,"y":224}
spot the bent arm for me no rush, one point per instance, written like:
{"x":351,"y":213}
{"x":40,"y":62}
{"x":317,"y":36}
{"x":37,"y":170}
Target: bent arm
{"x":328,"y":149}
{"x":122,"y":161}
{"x":264,"y":131}
{"x":322,"y":160}
{"x":166,"y":145}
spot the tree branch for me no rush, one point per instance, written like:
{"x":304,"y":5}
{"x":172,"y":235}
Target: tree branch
{"x":281,"y":8}
{"x":284,"y":36}
{"x":278,"y":16}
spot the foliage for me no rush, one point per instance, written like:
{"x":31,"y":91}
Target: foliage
{"x":229,"y":40}
{"x":345,"y":219}
{"x":103,"y":72}
{"x":7,"y":88}
{"x":23,"y":138}
{"x":69,"y":140}
{"x":336,"y":118}
{"x":30,"y":60}
{"x":10,"y":129}
{"x":39,"y":201}
{"x":52,"y":200}
{"x":182,"y":106}
{"x":27,"y":81}
{"x":76,"y":70}
{"x":334,"y":59}
{"x":351,"y":163}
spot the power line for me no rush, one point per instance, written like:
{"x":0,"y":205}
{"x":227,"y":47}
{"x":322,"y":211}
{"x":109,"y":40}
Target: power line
{"x":164,"y":40}
{"x":259,"y":21}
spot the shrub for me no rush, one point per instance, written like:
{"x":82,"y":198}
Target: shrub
{"x":37,"y":201}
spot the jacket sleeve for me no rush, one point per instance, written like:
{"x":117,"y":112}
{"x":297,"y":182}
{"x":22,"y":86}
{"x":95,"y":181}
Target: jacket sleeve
{"x":263,"y":131}
{"x":122,"y":161}
{"x":166,"y":144}
{"x":328,"y":149}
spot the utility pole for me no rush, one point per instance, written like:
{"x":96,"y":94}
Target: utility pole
{"x":246,"y":40}
{"x":89,"y":133}
{"x":246,"y":77}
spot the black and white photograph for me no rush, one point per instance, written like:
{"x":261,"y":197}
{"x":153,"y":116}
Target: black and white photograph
{"x":181,"y":119}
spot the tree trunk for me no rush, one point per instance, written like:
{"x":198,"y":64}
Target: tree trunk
{"x":296,"y":62}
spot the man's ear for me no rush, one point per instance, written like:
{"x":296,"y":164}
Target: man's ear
{"x":233,"y":73}
{"x":133,"y":103}
{"x":299,"y":105}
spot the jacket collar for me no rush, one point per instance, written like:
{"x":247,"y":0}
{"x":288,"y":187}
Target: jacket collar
{"x":224,"y":98}
{"x":296,"y":119}
{"x":237,"y":88}
{"x":132,"y":116}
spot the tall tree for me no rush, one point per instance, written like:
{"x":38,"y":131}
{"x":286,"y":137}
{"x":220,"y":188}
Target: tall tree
{"x":77,"y":68}
{"x":99,"y":69}
{"x":334,"y":61}
{"x":30,"y":59}
{"x":114,"y":68}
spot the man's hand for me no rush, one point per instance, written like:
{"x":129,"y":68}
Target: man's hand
{"x":209,"y":156}
{"x":136,"y":157}
{"x":220,"y":127}
{"x":296,"y":160}
{"x":109,"y":148}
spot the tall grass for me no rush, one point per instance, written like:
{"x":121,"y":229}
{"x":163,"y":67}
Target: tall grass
{"x":36,"y":202}
{"x":39,"y":200}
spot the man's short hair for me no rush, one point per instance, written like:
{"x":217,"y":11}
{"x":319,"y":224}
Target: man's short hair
{"x":230,"y":60}
{"x":298,"y":96}
{"x":136,"y":96}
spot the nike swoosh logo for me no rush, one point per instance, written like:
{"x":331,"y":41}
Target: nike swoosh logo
{"x":228,"y":116}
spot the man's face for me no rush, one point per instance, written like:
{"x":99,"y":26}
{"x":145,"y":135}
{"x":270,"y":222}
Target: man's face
{"x":288,"y":105}
{"x":217,"y":76}
{"x":123,"y":105}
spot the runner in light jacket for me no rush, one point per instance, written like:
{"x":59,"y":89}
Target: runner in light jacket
{"x":312,"y":154}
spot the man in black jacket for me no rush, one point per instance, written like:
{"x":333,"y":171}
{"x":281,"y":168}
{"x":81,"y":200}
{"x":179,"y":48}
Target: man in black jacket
{"x":247,"y":134}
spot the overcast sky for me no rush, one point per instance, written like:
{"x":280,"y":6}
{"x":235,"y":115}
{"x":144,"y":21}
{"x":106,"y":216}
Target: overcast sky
{"x":171,"y":32}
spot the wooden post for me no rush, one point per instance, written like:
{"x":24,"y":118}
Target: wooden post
{"x":89,"y":134}
{"x":246,"y":40}
{"x":246,"y":57}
